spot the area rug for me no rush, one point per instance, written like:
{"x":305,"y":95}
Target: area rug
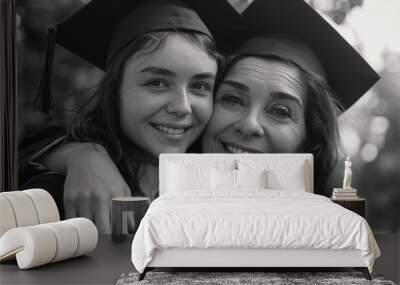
{"x":269,"y":278}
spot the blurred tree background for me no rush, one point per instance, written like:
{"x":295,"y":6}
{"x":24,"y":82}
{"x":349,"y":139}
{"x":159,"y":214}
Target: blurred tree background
{"x":71,"y":75}
{"x":370,"y":129}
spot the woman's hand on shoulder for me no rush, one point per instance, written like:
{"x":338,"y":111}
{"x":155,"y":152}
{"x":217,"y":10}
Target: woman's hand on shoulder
{"x":92,"y":180}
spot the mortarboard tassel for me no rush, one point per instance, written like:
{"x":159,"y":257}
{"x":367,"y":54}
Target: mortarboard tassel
{"x":44,"y":98}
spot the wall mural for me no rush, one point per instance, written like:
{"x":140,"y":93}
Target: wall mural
{"x":369,"y":129}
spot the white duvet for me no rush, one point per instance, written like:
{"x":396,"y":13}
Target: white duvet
{"x":252,"y":218}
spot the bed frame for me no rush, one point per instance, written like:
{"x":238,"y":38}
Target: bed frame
{"x":245,"y":259}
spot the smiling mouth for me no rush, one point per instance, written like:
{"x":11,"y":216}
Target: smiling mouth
{"x":172,"y":131}
{"x":236,"y":149}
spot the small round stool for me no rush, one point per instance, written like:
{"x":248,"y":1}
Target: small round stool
{"x":121,"y":205}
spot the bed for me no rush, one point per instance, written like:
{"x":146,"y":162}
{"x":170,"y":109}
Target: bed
{"x":246,"y":211}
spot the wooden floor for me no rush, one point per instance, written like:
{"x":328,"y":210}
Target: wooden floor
{"x":106,"y":264}
{"x":389,"y":262}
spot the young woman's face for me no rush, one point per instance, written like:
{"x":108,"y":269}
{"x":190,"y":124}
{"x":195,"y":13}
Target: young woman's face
{"x":166,"y":97}
{"x":259,"y":108}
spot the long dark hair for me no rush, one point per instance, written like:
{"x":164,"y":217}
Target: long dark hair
{"x":321,"y":113}
{"x":98,"y":120}
{"x":322,"y":130}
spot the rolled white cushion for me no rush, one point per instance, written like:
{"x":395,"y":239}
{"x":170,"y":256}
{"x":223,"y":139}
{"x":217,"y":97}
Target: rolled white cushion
{"x":40,"y":244}
{"x":67,"y":240}
{"x":23,"y":208}
{"x":7,"y":218}
{"x":26,"y":208}
{"x":87,"y":235}
{"x":46,"y":208}
{"x":33,"y":246}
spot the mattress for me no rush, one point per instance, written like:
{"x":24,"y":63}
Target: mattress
{"x":250,"y":218}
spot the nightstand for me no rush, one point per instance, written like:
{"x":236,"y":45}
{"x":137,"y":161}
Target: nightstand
{"x":122,"y":205}
{"x":358,"y":206}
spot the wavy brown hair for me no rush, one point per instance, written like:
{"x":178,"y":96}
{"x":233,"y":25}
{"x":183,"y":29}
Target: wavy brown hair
{"x":322,"y":110}
{"x":98,"y":120}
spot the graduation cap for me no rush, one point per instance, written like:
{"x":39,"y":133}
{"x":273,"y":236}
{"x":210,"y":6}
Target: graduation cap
{"x":102,"y":28}
{"x":294,"y":30}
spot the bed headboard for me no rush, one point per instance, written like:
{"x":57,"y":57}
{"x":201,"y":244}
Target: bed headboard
{"x":217,"y":159}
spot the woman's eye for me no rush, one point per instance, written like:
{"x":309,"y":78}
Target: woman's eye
{"x":201,"y":86}
{"x":230,"y":99}
{"x":156,"y":83}
{"x":281,"y":111}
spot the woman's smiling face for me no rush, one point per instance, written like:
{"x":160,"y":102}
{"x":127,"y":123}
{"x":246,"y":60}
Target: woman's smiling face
{"x":259,"y":108}
{"x":166,"y":97}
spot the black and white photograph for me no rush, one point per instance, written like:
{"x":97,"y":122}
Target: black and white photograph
{"x":199,"y":141}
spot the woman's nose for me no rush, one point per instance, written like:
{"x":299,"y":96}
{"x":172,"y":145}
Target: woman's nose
{"x":249,"y":125}
{"x":180,"y":104}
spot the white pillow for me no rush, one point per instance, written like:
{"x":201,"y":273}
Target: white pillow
{"x":181,"y":177}
{"x":251,"y":178}
{"x":282,"y":174}
{"x":230,"y":180}
{"x":290,"y":179}
{"x":223,"y":179}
